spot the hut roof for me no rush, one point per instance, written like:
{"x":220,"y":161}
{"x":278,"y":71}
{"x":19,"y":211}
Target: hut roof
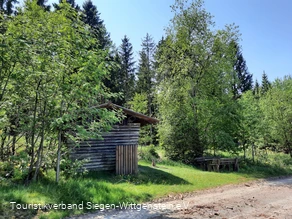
{"x":140,"y":118}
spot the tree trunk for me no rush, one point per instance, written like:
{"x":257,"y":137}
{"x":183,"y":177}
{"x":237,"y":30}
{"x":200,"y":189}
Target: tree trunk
{"x":289,"y":148}
{"x":253,"y":151}
{"x":244,"y":149}
{"x":13,"y":144}
{"x":33,"y":134}
{"x":150,"y":114}
{"x":244,"y":152}
{"x":3,"y":139}
{"x":59,"y":156}
{"x":33,"y":138}
{"x":40,"y":149}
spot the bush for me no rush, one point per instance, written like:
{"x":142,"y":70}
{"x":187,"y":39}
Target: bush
{"x":149,"y":154}
{"x":6,"y":169}
{"x":71,"y":168}
{"x":15,"y":169}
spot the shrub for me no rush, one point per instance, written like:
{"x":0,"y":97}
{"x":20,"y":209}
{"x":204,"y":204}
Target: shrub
{"x":149,"y":154}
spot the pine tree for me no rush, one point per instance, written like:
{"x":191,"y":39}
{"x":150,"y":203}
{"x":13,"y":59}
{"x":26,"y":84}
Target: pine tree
{"x":92,"y":18}
{"x":243,"y":81}
{"x":266,"y":84}
{"x":127,"y":72}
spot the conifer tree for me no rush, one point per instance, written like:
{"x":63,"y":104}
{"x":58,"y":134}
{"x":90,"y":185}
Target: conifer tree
{"x":42,"y":3}
{"x":127,"y":71}
{"x":71,"y":2}
{"x":266,"y":84}
{"x":92,"y":18}
{"x":7,"y":6}
{"x":243,"y":81}
{"x":145,"y":83}
{"x":256,"y":90}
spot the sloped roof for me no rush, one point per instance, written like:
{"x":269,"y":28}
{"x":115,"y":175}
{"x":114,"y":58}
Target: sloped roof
{"x":141,"y":118}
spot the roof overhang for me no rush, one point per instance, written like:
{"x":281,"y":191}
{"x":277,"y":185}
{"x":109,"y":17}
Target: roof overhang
{"x":143,"y":119}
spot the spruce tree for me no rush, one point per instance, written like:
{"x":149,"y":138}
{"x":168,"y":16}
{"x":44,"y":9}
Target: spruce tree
{"x":71,"y":2}
{"x":92,"y":18}
{"x":266,"y":84}
{"x":256,"y":89}
{"x":145,"y":83}
{"x":127,"y":71}
{"x":113,"y":79}
{"x":243,"y":81}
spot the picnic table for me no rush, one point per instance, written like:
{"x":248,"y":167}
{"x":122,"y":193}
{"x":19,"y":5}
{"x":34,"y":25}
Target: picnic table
{"x":217,"y":163}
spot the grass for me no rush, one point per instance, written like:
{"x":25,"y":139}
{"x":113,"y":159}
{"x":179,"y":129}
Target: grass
{"x":167,"y":177}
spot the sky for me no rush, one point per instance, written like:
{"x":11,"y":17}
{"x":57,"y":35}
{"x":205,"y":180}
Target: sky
{"x":265,"y":27}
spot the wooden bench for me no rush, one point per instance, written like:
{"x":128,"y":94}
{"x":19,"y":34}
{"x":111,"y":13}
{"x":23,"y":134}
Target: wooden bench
{"x":215,"y":164}
{"x":204,"y":162}
{"x":229,"y":162}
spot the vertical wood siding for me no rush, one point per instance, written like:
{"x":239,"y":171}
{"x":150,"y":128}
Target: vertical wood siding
{"x":102,"y":153}
{"x":126,"y":159}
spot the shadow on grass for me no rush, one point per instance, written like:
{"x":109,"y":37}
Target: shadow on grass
{"x":94,"y":187}
{"x":156,"y":175}
{"x":146,"y":175}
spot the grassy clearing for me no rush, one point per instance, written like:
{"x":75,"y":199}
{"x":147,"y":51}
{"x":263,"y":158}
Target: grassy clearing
{"x":167,"y":177}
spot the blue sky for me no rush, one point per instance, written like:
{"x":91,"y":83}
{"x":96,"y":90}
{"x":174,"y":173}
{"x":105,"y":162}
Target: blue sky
{"x":265,"y":26}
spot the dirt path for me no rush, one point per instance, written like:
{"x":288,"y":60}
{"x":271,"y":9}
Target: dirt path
{"x":259,"y":199}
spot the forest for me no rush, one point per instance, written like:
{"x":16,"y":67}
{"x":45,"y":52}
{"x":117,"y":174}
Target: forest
{"x":58,"y":63}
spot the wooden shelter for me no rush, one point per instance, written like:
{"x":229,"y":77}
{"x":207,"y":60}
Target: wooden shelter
{"x":118,"y":148}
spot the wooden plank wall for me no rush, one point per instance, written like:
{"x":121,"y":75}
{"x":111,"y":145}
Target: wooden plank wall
{"x":102,"y":153}
{"x":126,"y":159}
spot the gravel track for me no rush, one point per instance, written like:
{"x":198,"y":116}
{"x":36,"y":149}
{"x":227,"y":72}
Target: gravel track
{"x":259,"y":199}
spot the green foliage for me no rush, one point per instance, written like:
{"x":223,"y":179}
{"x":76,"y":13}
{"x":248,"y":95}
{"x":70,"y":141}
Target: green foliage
{"x":146,"y":73}
{"x":72,"y":169}
{"x":251,"y":127}
{"x":277,"y":108}
{"x":52,"y":82}
{"x":195,"y":69}
{"x":126,"y":80}
{"x":177,"y":131}
{"x":266,"y":118}
{"x":243,"y":79}
{"x":16,"y":169}
{"x":92,"y":17}
{"x":266,"y":84}
{"x":145,"y":88}
{"x":149,"y":154}
{"x":256,"y":89}
{"x":139,"y":103}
